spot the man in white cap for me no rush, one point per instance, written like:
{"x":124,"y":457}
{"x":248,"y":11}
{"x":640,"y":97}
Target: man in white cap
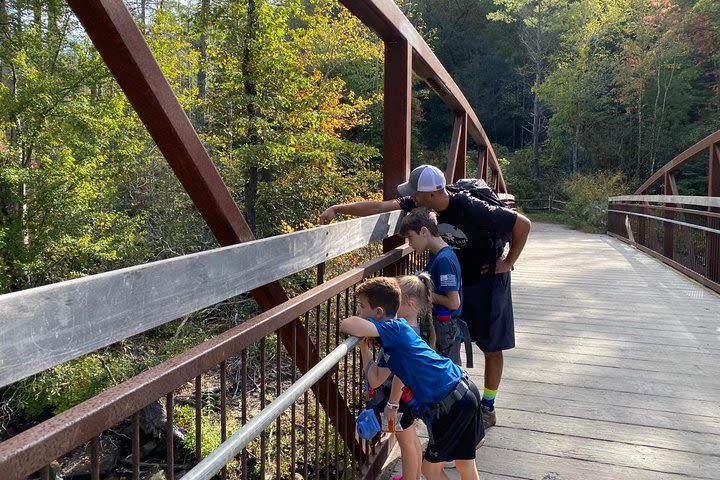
{"x":477,"y":228}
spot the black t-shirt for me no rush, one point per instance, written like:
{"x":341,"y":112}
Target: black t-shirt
{"x":472,"y":227}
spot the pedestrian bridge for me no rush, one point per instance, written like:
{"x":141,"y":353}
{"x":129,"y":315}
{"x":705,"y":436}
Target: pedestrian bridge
{"x":615,"y":374}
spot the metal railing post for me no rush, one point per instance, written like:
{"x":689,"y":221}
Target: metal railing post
{"x":712,"y":253}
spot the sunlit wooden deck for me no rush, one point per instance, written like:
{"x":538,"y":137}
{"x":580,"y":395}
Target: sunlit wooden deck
{"x":617,"y":370}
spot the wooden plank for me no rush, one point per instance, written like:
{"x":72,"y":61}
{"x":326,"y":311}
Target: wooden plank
{"x":669,"y":199}
{"x":638,"y":457}
{"x":703,"y":398}
{"x":601,"y":396}
{"x":667,"y":367}
{"x":619,"y":416}
{"x":514,"y":461}
{"x":49,"y":325}
{"x":559,"y":423}
{"x":547,"y":343}
{"x":632,"y":336}
{"x":709,"y":384}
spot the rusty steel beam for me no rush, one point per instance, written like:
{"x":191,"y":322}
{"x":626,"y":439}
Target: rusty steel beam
{"x":385,"y":18}
{"x":397,"y":122}
{"x":482,"y":166}
{"x":458,"y":149}
{"x":678,"y":161}
{"x":668,"y":228}
{"x":712,"y":267}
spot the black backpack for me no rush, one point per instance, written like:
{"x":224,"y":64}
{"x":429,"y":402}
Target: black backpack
{"x":478,"y":188}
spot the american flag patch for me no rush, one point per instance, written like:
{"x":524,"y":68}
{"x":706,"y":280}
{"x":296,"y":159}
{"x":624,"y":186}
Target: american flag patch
{"x":448,"y":280}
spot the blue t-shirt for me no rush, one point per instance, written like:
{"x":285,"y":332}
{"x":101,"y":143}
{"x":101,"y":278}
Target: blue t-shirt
{"x":444,"y":269}
{"x":430,"y":376}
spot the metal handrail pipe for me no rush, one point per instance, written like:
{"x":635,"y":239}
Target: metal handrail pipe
{"x":668,"y":220}
{"x":231,"y":447}
{"x":699,"y":201}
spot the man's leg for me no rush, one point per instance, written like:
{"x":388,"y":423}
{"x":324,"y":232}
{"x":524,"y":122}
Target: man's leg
{"x":493,"y":369}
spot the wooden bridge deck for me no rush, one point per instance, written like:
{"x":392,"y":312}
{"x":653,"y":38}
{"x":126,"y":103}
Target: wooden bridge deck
{"x":617,"y":370}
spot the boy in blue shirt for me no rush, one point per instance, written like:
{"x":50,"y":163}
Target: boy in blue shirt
{"x":420,"y":228}
{"x":449,"y":400}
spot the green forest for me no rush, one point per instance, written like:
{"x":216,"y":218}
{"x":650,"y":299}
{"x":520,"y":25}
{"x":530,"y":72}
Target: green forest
{"x":580,"y":98}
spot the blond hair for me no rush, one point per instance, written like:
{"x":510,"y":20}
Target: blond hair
{"x":419,"y":288}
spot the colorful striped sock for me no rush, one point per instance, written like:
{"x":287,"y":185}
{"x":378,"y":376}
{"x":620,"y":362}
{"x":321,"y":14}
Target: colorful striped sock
{"x":488,"y":400}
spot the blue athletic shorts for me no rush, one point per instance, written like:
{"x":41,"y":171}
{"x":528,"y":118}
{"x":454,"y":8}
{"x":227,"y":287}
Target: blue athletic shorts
{"x":487,"y":309}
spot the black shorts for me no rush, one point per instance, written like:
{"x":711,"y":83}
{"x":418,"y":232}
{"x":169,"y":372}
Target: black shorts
{"x":487,"y":310}
{"x":456,"y":433}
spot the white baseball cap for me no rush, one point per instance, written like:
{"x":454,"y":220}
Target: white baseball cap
{"x":424,"y":178}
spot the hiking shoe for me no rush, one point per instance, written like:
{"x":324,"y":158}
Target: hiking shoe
{"x":489,"y":418}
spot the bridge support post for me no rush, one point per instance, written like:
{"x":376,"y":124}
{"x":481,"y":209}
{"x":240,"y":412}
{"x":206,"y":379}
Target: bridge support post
{"x":458,"y":149}
{"x":712,"y":252}
{"x":668,"y":240}
{"x":396,"y":133}
{"x":482,"y":169}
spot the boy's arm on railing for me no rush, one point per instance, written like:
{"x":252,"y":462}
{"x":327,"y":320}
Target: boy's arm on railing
{"x":375,"y":375}
{"x":359,"y":327}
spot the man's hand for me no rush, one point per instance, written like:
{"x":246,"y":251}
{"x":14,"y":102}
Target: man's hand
{"x":328,"y":215}
{"x":502,"y":265}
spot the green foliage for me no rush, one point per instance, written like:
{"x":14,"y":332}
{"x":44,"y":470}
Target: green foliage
{"x":71,"y":383}
{"x":184,"y":417}
{"x":587,"y":198}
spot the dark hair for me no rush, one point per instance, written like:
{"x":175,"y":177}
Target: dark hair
{"x":381,"y":292}
{"x":418,"y":218}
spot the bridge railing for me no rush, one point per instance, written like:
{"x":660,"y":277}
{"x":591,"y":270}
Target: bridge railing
{"x":316,"y":435}
{"x":682,"y":231}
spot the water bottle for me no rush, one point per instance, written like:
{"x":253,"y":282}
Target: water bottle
{"x":409,"y":398}
{"x":443,"y":314}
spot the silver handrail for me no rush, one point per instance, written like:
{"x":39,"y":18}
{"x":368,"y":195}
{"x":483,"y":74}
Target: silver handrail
{"x":231,"y":447}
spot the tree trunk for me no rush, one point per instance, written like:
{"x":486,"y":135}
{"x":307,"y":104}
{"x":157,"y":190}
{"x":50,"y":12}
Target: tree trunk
{"x":199,"y":115}
{"x":251,"y":185}
{"x":536,"y":129}
{"x":639,"y":139}
{"x":575,"y":150}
